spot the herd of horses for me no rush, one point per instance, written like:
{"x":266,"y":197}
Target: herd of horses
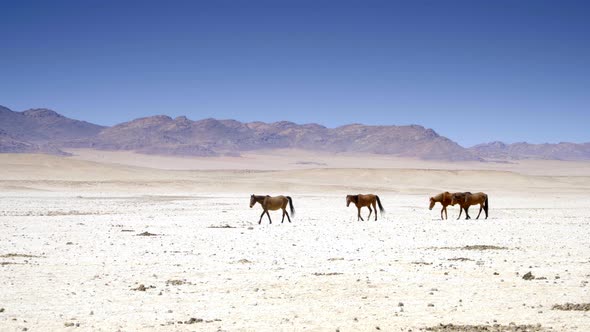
{"x":463,"y":199}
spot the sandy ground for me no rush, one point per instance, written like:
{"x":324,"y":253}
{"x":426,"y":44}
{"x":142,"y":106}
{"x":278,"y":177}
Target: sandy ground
{"x":71,"y":257}
{"x":299,"y":159}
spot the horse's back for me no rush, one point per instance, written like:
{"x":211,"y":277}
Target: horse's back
{"x":367,"y":199}
{"x":280,"y":198}
{"x":477,"y":198}
{"x":275,"y":202}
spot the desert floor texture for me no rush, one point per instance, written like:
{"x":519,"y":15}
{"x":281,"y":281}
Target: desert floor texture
{"x":104,"y":243}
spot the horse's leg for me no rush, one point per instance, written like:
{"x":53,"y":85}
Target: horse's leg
{"x":288,"y":218}
{"x":269,"y":220}
{"x":446,"y":214}
{"x":460,"y":211}
{"x":359,"y":215}
{"x":283,"y":216}
{"x":441,"y":213}
{"x":480,"y":208}
{"x":262,"y":215}
{"x":370,"y":211}
{"x":467,"y":213}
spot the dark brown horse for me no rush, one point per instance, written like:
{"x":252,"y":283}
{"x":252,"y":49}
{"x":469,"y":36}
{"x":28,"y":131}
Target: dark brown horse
{"x":273,"y":203}
{"x":466,"y":199}
{"x":445,"y":200}
{"x":365,"y":200}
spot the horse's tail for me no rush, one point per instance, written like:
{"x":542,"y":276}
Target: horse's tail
{"x":291,"y":206}
{"x":381,"y":209}
{"x":486,"y":205}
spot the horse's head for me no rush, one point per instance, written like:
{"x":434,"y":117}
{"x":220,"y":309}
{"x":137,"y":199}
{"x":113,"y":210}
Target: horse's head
{"x":349,"y":198}
{"x":432,"y":202}
{"x":252,"y":200}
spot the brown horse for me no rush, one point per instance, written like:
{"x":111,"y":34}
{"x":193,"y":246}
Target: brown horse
{"x":445,"y":200}
{"x":365,"y":200}
{"x":273,"y":203}
{"x":466,"y":199}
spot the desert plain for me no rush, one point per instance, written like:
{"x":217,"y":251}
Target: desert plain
{"x":108,"y":241}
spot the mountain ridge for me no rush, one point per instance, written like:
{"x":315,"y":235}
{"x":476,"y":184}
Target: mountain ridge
{"x":43,"y":130}
{"x":523,"y":150}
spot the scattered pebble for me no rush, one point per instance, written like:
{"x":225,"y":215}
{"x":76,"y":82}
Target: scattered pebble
{"x":528,"y":276}
{"x":512,"y":327}
{"x":147,"y":234}
{"x":572,"y":307}
{"x":142,"y":288}
{"x":194,"y":320}
{"x":326,"y":274}
{"x":177,"y":282}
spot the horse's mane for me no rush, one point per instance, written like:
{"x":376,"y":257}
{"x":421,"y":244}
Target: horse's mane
{"x":355,"y":198}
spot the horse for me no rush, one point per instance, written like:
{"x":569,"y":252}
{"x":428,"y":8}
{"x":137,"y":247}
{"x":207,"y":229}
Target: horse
{"x":365,"y":200}
{"x":273,"y":203}
{"x":466,"y":199}
{"x":445,"y":200}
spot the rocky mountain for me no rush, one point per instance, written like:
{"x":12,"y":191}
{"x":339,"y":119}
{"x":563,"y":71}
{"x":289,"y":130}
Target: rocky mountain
{"x":45,"y":131}
{"x":44,"y":126}
{"x":560,"y":151}
{"x":164,"y":135}
{"x":9,"y":144}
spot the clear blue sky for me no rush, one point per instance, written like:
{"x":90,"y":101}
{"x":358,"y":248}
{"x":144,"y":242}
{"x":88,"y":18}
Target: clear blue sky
{"x":474,"y":71}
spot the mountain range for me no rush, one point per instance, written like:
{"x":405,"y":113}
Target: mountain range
{"x":45,"y":131}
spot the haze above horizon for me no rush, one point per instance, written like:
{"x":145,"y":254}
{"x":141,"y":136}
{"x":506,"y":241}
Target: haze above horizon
{"x":473,"y":71}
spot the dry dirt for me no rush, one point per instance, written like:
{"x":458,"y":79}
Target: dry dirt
{"x":71,"y":257}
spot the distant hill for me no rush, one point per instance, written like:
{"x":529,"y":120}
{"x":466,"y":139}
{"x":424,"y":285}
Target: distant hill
{"x":164,"y":135}
{"x":9,"y":144}
{"x":45,"y":131}
{"x":560,"y":151}
{"x":44,"y":126}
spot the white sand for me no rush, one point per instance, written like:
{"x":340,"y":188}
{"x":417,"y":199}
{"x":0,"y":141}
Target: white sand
{"x":80,"y":219}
